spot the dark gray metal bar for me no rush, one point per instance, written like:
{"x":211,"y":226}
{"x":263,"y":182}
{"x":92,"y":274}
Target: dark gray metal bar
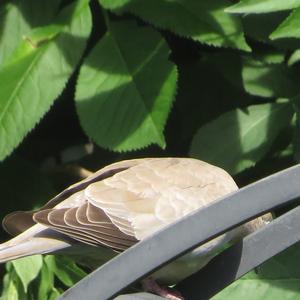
{"x":145,"y":257}
{"x":139,"y":296}
{"x":244,"y":256}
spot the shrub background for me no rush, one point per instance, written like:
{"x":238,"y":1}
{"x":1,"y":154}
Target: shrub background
{"x":86,"y":83}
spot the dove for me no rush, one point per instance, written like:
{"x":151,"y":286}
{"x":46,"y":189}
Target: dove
{"x":120,"y":205}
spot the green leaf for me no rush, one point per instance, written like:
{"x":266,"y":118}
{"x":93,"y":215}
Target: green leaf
{"x":230,"y":65}
{"x":126,"y":87}
{"x":294,"y":58}
{"x":203,"y":21}
{"x":265,"y":80}
{"x":28,"y":268}
{"x":262,"y":6}
{"x":260,"y":26}
{"x":10,"y":291}
{"x":296,"y":138}
{"x":37,"y":72}
{"x":289,"y":28}
{"x":270,"y":57}
{"x":18,"y":17}
{"x":285,"y":265}
{"x":238,"y":139}
{"x":278,"y":278}
{"x":46,"y":282}
{"x":113,"y":4}
{"x":54,"y":294}
{"x":258,"y":289}
{"x":16,"y":285}
{"x":65,"y":269}
{"x":214,"y":81}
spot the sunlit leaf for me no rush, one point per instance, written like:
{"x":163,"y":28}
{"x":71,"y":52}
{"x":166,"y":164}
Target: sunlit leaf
{"x":238,"y":139}
{"x":113,"y":4}
{"x":37,"y":72}
{"x":18,"y":17}
{"x":126,"y":87}
{"x":203,"y":21}
{"x":294,"y":58}
{"x":262,"y":6}
{"x":289,"y":28}
{"x":10,"y":290}
{"x":54,"y":294}
{"x":46,"y":282}
{"x":269,"y":80}
{"x":278,"y":278}
{"x":28,"y":268}
{"x":260,"y":289}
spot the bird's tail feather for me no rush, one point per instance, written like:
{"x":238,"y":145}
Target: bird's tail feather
{"x":28,"y":243}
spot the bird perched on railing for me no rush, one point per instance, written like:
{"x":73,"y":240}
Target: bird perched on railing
{"x":120,"y":205}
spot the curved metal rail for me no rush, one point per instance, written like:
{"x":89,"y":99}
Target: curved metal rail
{"x":244,"y":256}
{"x":166,"y":245}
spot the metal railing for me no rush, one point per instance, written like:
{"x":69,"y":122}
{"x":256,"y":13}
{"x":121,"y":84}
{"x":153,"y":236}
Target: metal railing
{"x":166,"y":245}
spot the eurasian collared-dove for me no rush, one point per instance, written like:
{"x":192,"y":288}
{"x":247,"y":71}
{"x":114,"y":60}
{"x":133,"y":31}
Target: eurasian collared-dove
{"x":120,"y":205}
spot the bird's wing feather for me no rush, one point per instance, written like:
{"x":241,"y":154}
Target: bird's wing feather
{"x":19,"y":221}
{"x":128,"y":201}
{"x":101,"y":174}
{"x":154,"y":193}
{"x":68,"y":221}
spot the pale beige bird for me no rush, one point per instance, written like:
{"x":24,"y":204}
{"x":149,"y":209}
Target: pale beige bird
{"x":120,"y":205}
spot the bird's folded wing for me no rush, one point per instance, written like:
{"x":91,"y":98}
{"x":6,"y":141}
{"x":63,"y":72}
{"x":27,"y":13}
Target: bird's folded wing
{"x":19,"y":221}
{"x":154,"y":193}
{"x":127,"y":201}
{"x":74,"y":222}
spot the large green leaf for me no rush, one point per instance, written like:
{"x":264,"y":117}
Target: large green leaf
{"x":240,"y":138}
{"x":126,"y":87}
{"x":278,"y":278}
{"x":18,"y":17}
{"x":203,"y":21}
{"x":269,"y":80}
{"x":289,"y":28}
{"x":33,"y":77}
{"x":258,"y":289}
{"x":28,"y":268}
{"x":262,"y":6}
